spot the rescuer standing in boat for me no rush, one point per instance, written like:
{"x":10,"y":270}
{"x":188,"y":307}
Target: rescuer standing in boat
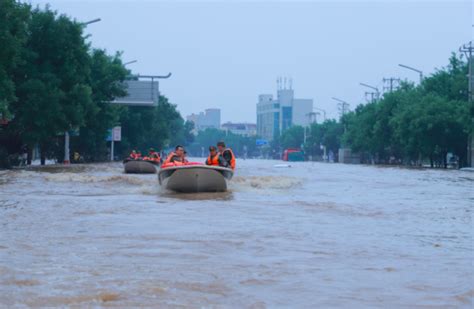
{"x":227,"y":154}
{"x":215,"y":159}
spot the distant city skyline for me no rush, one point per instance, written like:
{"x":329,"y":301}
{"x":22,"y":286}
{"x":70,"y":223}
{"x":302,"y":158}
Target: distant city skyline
{"x":220,"y":59}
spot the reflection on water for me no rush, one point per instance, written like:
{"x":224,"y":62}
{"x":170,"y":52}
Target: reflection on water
{"x":313,"y":235}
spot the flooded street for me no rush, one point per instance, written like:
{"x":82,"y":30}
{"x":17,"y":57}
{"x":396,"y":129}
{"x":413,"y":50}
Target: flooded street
{"x":311,"y":235}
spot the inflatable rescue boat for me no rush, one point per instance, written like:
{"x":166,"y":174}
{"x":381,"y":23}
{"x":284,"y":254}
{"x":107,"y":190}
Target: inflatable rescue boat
{"x":139,"y":167}
{"x":194,"y":177}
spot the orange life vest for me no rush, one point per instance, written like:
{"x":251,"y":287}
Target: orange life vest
{"x":232,"y":159}
{"x":170,"y":156}
{"x":154,"y":156}
{"x":214,"y":161}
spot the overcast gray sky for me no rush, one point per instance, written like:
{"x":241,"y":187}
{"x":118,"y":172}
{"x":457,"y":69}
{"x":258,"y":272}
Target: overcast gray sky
{"x":224,"y":54}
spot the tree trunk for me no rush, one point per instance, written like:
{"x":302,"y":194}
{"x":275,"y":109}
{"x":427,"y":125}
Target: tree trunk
{"x":431,"y":161}
{"x":29,"y":157}
{"x":43,"y":154}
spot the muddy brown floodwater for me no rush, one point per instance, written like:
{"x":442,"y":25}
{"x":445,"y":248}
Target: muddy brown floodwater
{"x":313,"y":235}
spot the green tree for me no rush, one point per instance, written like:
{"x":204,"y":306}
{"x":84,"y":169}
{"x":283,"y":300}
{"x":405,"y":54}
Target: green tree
{"x":293,"y":137}
{"x":327,"y":134}
{"x":106,"y":76}
{"x":143,"y":127}
{"x":14,"y":17}
{"x":52,"y":87}
{"x":432,"y":127}
{"x":360,"y":129}
{"x":240,"y":145}
{"x":188,"y":132}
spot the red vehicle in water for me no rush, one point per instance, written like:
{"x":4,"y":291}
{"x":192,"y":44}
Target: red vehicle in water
{"x":293,"y":154}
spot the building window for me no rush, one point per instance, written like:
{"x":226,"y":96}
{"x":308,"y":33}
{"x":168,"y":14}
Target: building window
{"x":286,"y":117}
{"x":276,"y":124}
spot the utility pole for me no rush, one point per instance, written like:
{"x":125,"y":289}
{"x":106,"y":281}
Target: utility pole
{"x":342,"y":105}
{"x":372,"y":95}
{"x":392,"y":84}
{"x":467,"y":49}
{"x":376,"y":93}
{"x":311,"y":119}
{"x":321,"y":110}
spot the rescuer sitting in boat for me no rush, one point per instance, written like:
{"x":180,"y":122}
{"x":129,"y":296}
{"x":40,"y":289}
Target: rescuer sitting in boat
{"x":134,"y":155}
{"x":153,"y":156}
{"x":185,"y":160}
{"x":227,"y":154}
{"x":215,"y":159}
{"x":177,"y":156}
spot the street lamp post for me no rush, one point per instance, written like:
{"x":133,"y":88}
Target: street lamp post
{"x":322,"y":110}
{"x":90,"y":22}
{"x":344,"y":106}
{"x":467,"y":49}
{"x":377,"y":92}
{"x":413,"y":69}
{"x":130,"y":62}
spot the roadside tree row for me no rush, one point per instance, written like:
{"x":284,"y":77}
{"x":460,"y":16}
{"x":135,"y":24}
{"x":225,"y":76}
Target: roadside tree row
{"x":411,"y":125}
{"x":53,"y":81}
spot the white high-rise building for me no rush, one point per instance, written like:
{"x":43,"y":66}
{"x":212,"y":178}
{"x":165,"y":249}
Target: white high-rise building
{"x":274,"y":116}
{"x":210,"y":118}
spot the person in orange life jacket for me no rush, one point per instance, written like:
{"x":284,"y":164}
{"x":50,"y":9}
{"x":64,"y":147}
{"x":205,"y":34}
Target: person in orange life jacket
{"x":176,"y":156}
{"x":134,"y":155}
{"x":215,"y":159}
{"x":153,"y":156}
{"x":227,"y":154}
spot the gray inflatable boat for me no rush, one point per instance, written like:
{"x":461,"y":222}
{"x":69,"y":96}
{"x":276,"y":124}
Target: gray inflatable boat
{"x":139,"y":167}
{"x":195,"y":178}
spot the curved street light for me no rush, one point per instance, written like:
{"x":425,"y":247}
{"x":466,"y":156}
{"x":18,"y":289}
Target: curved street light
{"x":130,"y":62}
{"x":413,"y":69}
{"x":90,"y":22}
{"x":377,"y":92}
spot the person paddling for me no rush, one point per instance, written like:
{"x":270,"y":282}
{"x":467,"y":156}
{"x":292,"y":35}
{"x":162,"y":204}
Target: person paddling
{"x":227,"y":154}
{"x":215,"y":159}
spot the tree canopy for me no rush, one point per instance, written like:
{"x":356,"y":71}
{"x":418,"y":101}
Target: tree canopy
{"x":52,"y":81}
{"x":407,"y":125}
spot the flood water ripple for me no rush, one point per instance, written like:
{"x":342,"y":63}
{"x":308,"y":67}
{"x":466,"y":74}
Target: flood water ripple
{"x":313,"y":235}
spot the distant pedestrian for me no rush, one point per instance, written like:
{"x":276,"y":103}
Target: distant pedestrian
{"x":24,"y":155}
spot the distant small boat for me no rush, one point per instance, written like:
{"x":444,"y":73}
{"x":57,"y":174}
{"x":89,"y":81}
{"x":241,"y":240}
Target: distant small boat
{"x":195,"y":178}
{"x":139,"y":167}
{"x":282,"y":165}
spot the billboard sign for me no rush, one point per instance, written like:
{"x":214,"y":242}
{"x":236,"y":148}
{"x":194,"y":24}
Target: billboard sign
{"x":139,"y":93}
{"x":114,"y":134}
{"x":117,"y":134}
{"x":261,"y":142}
